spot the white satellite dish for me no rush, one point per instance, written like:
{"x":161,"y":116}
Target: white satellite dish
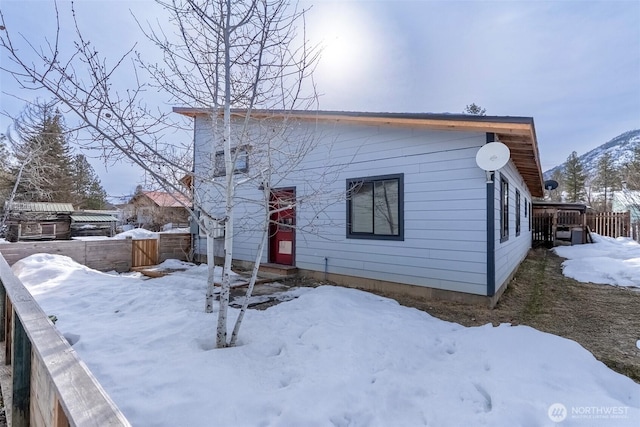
{"x":492,"y":156}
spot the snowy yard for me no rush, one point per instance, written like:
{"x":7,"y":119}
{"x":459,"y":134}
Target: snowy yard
{"x":608,"y":261}
{"x":332,"y":356}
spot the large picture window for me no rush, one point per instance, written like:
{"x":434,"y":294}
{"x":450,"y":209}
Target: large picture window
{"x":504,"y":209}
{"x":375,"y":207}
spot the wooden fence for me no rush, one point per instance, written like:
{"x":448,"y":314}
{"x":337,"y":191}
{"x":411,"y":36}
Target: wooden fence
{"x":610,"y":224}
{"x":49,"y":386}
{"x":105,"y":255}
{"x":542,"y":228}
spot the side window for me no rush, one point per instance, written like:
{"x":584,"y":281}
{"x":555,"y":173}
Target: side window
{"x":375,"y":207}
{"x":504,"y":209}
{"x":517,"y":212}
{"x":241,"y":156}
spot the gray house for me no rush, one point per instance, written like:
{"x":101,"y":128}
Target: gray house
{"x":402,"y":206}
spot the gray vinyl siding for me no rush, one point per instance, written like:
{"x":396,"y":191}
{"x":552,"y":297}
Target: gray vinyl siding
{"x":510,"y":253}
{"x":444,"y":206}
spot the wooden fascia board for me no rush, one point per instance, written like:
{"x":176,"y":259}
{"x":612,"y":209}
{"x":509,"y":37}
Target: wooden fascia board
{"x":522,"y":129}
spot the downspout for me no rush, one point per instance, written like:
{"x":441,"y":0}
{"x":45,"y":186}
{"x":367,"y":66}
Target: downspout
{"x":326,"y":268}
{"x":491,"y":225}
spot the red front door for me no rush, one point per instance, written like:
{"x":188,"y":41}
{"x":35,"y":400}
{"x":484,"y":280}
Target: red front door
{"x":282,"y":231}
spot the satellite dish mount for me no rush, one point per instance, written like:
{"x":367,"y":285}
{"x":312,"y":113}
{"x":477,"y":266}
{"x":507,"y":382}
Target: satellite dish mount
{"x":491,"y":157}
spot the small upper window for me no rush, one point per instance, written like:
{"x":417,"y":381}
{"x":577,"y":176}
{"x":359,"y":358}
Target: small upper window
{"x":375,"y":208}
{"x":241,"y":157}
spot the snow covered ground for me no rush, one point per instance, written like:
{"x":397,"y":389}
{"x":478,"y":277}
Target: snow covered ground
{"x":607,"y":261}
{"x":331,"y":357}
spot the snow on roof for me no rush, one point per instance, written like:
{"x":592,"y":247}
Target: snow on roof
{"x":40,"y":207}
{"x":93,"y":218}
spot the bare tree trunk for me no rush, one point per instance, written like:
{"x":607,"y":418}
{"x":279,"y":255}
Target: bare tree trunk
{"x":211,"y":268}
{"x":221,"y":333}
{"x":256,"y":266}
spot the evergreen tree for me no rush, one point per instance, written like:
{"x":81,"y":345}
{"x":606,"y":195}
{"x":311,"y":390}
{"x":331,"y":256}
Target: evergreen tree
{"x":87,"y":190}
{"x":475,"y":110}
{"x":574,"y":179}
{"x":556,"y":195}
{"x":6,"y":172}
{"x":631,"y":170}
{"x":607,"y":179}
{"x":40,"y":145}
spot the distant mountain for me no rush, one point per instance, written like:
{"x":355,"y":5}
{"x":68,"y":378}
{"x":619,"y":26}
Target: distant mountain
{"x":621,"y":149}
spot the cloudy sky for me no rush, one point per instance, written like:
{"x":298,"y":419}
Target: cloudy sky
{"x":572,"y":65}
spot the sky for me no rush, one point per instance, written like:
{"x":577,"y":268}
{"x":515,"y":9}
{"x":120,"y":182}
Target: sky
{"x":572,"y":65}
{"x":326,"y":355}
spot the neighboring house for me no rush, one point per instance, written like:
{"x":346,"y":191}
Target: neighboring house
{"x":412,"y":212}
{"x":38,"y":221}
{"x":627,"y":200}
{"x":154,"y":209}
{"x":93,"y":223}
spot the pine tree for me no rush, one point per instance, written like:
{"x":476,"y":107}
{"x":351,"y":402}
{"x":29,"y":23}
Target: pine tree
{"x":631,"y":170}
{"x":475,"y":110}
{"x":6,"y":172}
{"x":607,"y":179}
{"x":40,"y":145}
{"x":574,"y":179}
{"x":556,"y":194}
{"x":87,"y":190}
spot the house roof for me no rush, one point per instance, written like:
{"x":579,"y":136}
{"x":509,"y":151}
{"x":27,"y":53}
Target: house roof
{"x":39,"y":207}
{"x":167,"y":200}
{"x":517,"y":133}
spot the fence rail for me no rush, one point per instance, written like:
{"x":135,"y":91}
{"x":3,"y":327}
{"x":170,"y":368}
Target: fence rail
{"x":105,"y":255}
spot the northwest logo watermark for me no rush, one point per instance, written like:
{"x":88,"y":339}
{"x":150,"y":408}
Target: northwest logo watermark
{"x":559,"y":412}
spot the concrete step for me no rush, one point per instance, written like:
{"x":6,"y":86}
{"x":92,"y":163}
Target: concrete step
{"x":277,"y":270}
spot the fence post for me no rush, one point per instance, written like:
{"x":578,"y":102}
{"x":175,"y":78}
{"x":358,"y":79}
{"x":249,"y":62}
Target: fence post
{"x":21,"y":363}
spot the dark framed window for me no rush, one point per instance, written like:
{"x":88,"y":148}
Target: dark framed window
{"x":530,"y":216}
{"x":241,"y":159}
{"x":375,"y":207}
{"x":517,"y":212}
{"x":504,"y":209}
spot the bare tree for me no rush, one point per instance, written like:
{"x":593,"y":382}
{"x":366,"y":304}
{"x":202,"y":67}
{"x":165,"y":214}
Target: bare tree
{"x":236,"y":61}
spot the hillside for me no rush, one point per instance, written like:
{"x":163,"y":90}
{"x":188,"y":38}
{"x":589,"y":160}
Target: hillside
{"x":621,"y":149}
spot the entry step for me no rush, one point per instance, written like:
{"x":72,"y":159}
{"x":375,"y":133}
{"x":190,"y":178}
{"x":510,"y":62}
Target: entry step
{"x":278,"y":270}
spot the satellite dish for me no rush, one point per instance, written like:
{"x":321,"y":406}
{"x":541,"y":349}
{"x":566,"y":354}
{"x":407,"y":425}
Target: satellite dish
{"x":551,"y":184}
{"x":492,"y":156}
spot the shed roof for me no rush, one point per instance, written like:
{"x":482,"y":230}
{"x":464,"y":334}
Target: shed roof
{"x":562,"y":206}
{"x":39,"y":207}
{"x":517,"y":133}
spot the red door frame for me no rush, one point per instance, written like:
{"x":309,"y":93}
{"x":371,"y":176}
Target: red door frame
{"x":282,"y":231}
